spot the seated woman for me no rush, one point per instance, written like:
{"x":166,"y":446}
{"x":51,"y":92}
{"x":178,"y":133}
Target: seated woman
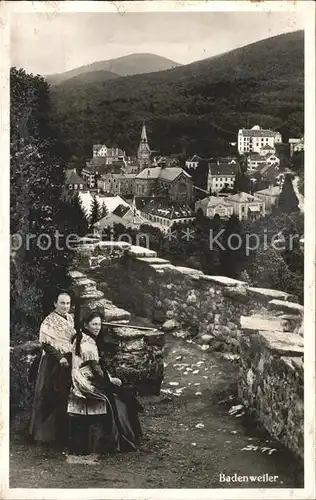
{"x":103,"y":414}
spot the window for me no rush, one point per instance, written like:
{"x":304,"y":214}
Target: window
{"x":75,"y":186}
{"x":81,"y":186}
{"x":70,"y":186}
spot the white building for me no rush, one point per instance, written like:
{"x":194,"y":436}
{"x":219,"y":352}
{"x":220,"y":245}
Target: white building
{"x":213,"y":205}
{"x":247,"y":206}
{"x":221,"y":175}
{"x":254,"y":139}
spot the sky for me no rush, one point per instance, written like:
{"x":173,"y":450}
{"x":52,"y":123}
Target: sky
{"x":52,"y":43}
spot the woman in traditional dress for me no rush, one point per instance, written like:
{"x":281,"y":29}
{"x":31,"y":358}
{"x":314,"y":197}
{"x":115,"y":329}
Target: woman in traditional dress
{"x":103,"y":414}
{"x":49,"y":416}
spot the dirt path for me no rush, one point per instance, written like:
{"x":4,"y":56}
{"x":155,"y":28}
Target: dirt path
{"x":189,"y":439}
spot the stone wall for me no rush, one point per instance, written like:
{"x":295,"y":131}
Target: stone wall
{"x":262,"y":326}
{"x":271,"y":383}
{"x":211,"y":309}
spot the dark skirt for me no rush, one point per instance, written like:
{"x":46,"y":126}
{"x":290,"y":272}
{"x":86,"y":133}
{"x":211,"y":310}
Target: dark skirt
{"x":49,"y":415}
{"x":118,"y":430}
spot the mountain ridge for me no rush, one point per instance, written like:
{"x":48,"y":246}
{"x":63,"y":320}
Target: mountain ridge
{"x":137,"y":63}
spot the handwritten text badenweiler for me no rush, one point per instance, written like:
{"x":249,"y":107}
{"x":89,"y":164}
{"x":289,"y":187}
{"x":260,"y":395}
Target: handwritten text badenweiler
{"x":235,"y":478}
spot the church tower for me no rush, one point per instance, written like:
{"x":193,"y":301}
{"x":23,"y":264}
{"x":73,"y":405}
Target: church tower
{"x":143,"y":153}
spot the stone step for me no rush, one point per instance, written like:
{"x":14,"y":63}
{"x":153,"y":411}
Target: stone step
{"x":77,"y":276}
{"x":91,"y":295}
{"x":86,"y":287}
{"x":267,"y":294}
{"x":114,"y":314}
{"x":286,"y":307}
{"x":262,"y":322}
{"x":283,"y":344}
{"x":136,"y":251}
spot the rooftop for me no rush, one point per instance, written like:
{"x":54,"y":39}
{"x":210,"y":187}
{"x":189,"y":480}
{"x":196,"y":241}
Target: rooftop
{"x":166,"y":174}
{"x":109,"y":220}
{"x":218,"y":168}
{"x":243,"y":198}
{"x":212,"y":201}
{"x":269,"y":169}
{"x":121,"y":210}
{"x":194,"y":158}
{"x":258,"y":132}
{"x":162,"y":207}
{"x":273,"y":191}
{"x":111,"y":202}
{"x":256,"y":157}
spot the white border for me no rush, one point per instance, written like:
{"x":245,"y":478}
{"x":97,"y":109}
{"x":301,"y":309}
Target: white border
{"x":308,"y":9}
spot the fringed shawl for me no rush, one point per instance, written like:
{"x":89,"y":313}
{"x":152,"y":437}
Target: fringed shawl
{"x":83,"y":390}
{"x":58,"y":332}
{"x":83,"y":386}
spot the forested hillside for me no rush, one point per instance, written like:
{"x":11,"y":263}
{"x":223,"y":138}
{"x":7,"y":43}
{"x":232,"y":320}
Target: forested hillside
{"x":194,"y":108}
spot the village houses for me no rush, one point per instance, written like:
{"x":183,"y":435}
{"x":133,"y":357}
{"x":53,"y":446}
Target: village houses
{"x":110,"y":155}
{"x":257,"y":160}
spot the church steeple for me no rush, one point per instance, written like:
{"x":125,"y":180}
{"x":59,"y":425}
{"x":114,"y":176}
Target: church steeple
{"x":143,"y":136}
{"x":143,"y":153}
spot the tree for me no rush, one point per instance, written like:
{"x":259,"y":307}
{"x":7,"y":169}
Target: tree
{"x":288,"y":201}
{"x":72,"y":217}
{"x":242,"y":183}
{"x":232,"y":258}
{"x":104,"y":211}
{"x":95,"y":212}
{"x":36,"y":180}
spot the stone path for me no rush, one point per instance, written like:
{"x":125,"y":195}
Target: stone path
{"x":193,"y":432}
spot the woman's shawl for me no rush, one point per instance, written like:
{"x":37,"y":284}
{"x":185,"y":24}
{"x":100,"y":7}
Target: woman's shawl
{"x":58,"y":332}
{"x":84,"y":386}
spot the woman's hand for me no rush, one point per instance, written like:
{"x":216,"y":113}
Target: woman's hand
{"x":116,"y":381}
{"x":64,"y":362}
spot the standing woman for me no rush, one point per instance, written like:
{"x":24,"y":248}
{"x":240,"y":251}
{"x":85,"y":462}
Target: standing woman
{"x":49,"y":416}
{"x":103,"y":415}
